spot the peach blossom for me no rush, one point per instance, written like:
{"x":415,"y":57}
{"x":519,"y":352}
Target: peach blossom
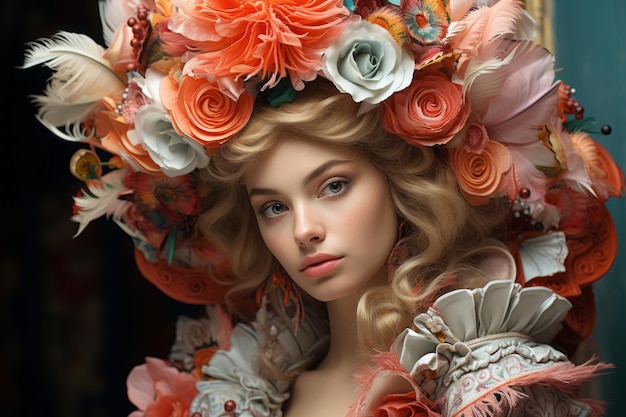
{"x":160,"y":390}
{"x":481,"y":175}
{"x":111,"y":131}
{"x":402,"y":405}
{"x":428,"y":112}
{"x":119,"y":53}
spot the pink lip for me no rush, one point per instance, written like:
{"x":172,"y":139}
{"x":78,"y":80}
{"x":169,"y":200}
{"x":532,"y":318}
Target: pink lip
{"x":321,"y":264}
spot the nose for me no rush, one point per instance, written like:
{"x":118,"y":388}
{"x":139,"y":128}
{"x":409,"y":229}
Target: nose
{"x":307,"y":228}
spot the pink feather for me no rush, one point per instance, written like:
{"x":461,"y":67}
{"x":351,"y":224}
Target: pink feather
{"x":526,"y":99}
{"x":221,"y":325}
{"x":484,"y":24}
{"x":459,"y":8}
{"x":525,"y":173}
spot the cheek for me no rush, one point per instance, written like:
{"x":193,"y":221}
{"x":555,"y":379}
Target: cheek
{"x":277,"y":242}
{"x":374,"y":227}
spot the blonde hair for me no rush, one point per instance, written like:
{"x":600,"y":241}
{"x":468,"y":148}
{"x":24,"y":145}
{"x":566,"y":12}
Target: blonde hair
{"x":440,"y":226}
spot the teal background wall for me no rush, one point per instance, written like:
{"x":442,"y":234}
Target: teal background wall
{"x":590,"y":46}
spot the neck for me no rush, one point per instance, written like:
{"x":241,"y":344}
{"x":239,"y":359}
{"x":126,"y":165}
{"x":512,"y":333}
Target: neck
{"x":344,"y":351}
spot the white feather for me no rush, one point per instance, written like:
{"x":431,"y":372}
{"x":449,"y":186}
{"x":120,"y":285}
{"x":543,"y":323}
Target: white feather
{"x":80,"y":79}
{"x":113,"y":14}
{"x":102,"y":201}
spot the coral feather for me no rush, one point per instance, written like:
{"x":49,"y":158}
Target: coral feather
{"x":81,"y":78}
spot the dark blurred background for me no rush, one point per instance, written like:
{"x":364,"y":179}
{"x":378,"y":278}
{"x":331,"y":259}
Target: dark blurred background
{"x":76,"y":316}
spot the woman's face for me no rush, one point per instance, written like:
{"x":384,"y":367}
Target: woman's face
{"x":327,"y":216}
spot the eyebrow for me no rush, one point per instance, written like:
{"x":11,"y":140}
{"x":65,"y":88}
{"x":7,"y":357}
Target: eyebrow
{"x":310,"y":177}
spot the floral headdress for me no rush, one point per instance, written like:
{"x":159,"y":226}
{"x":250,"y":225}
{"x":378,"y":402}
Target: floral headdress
{"x":179,"y":78}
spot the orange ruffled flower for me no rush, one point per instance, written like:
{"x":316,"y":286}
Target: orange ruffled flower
{"x":428,"y":112}
{"x":481,"y":175}
{"x":268,"y":39}
{"x":200,"y":110}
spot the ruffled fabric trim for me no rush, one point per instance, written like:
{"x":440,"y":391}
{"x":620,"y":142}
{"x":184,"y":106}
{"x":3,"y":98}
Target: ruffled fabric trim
{"x":238,"y":384}
{"x":484,"y":352}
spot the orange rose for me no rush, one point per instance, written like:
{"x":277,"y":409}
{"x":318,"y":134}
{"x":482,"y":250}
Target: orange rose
{"x":480,"y":175}
{"x":200,"y":110}
{"x":428,"y":112}
{"x":402,"y":405}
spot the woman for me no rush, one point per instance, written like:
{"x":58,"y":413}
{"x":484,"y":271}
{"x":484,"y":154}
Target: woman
{"x":366,"y":188}
{"x":320,"y":192}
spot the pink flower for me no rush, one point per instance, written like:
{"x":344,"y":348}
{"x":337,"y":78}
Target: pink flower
{"x":160,"y":390}
{"x":402,"y":405}
{"x":476,"y":137}
{"x":428,"y":112}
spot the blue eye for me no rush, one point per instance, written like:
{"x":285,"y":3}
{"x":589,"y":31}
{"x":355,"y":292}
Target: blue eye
{"x":334,"y":187}
{"x":272,"y":209}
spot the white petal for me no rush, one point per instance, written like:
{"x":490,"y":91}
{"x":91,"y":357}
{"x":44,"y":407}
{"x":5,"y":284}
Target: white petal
{"x":544,"y":255}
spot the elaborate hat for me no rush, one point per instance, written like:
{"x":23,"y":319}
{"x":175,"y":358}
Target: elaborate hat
{"x":179,"y":78}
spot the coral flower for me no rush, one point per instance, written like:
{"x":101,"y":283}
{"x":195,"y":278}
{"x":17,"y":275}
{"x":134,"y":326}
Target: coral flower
{"x":111,"y":130}
{"x":173,"y":199}
{"x":201,"y":111}
{"x":201,"y":358}
{"x":606,"y":175}
{"x":481,"y":175}
{"x":267,"y":39}
{"x":428,"y":112}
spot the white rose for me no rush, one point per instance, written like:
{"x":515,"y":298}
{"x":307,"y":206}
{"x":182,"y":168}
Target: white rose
{"x":175,"y":154}
{"x":367,"y":63}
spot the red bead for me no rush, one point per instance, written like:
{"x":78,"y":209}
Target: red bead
{"x":142,"y":15}
{"x":131,"y":66}
{"x":137,"y":29}
{"x":229,"y":406}
{"x":135,"y":43}
{"x":131,"y":21}
{"x":524,"y":193}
